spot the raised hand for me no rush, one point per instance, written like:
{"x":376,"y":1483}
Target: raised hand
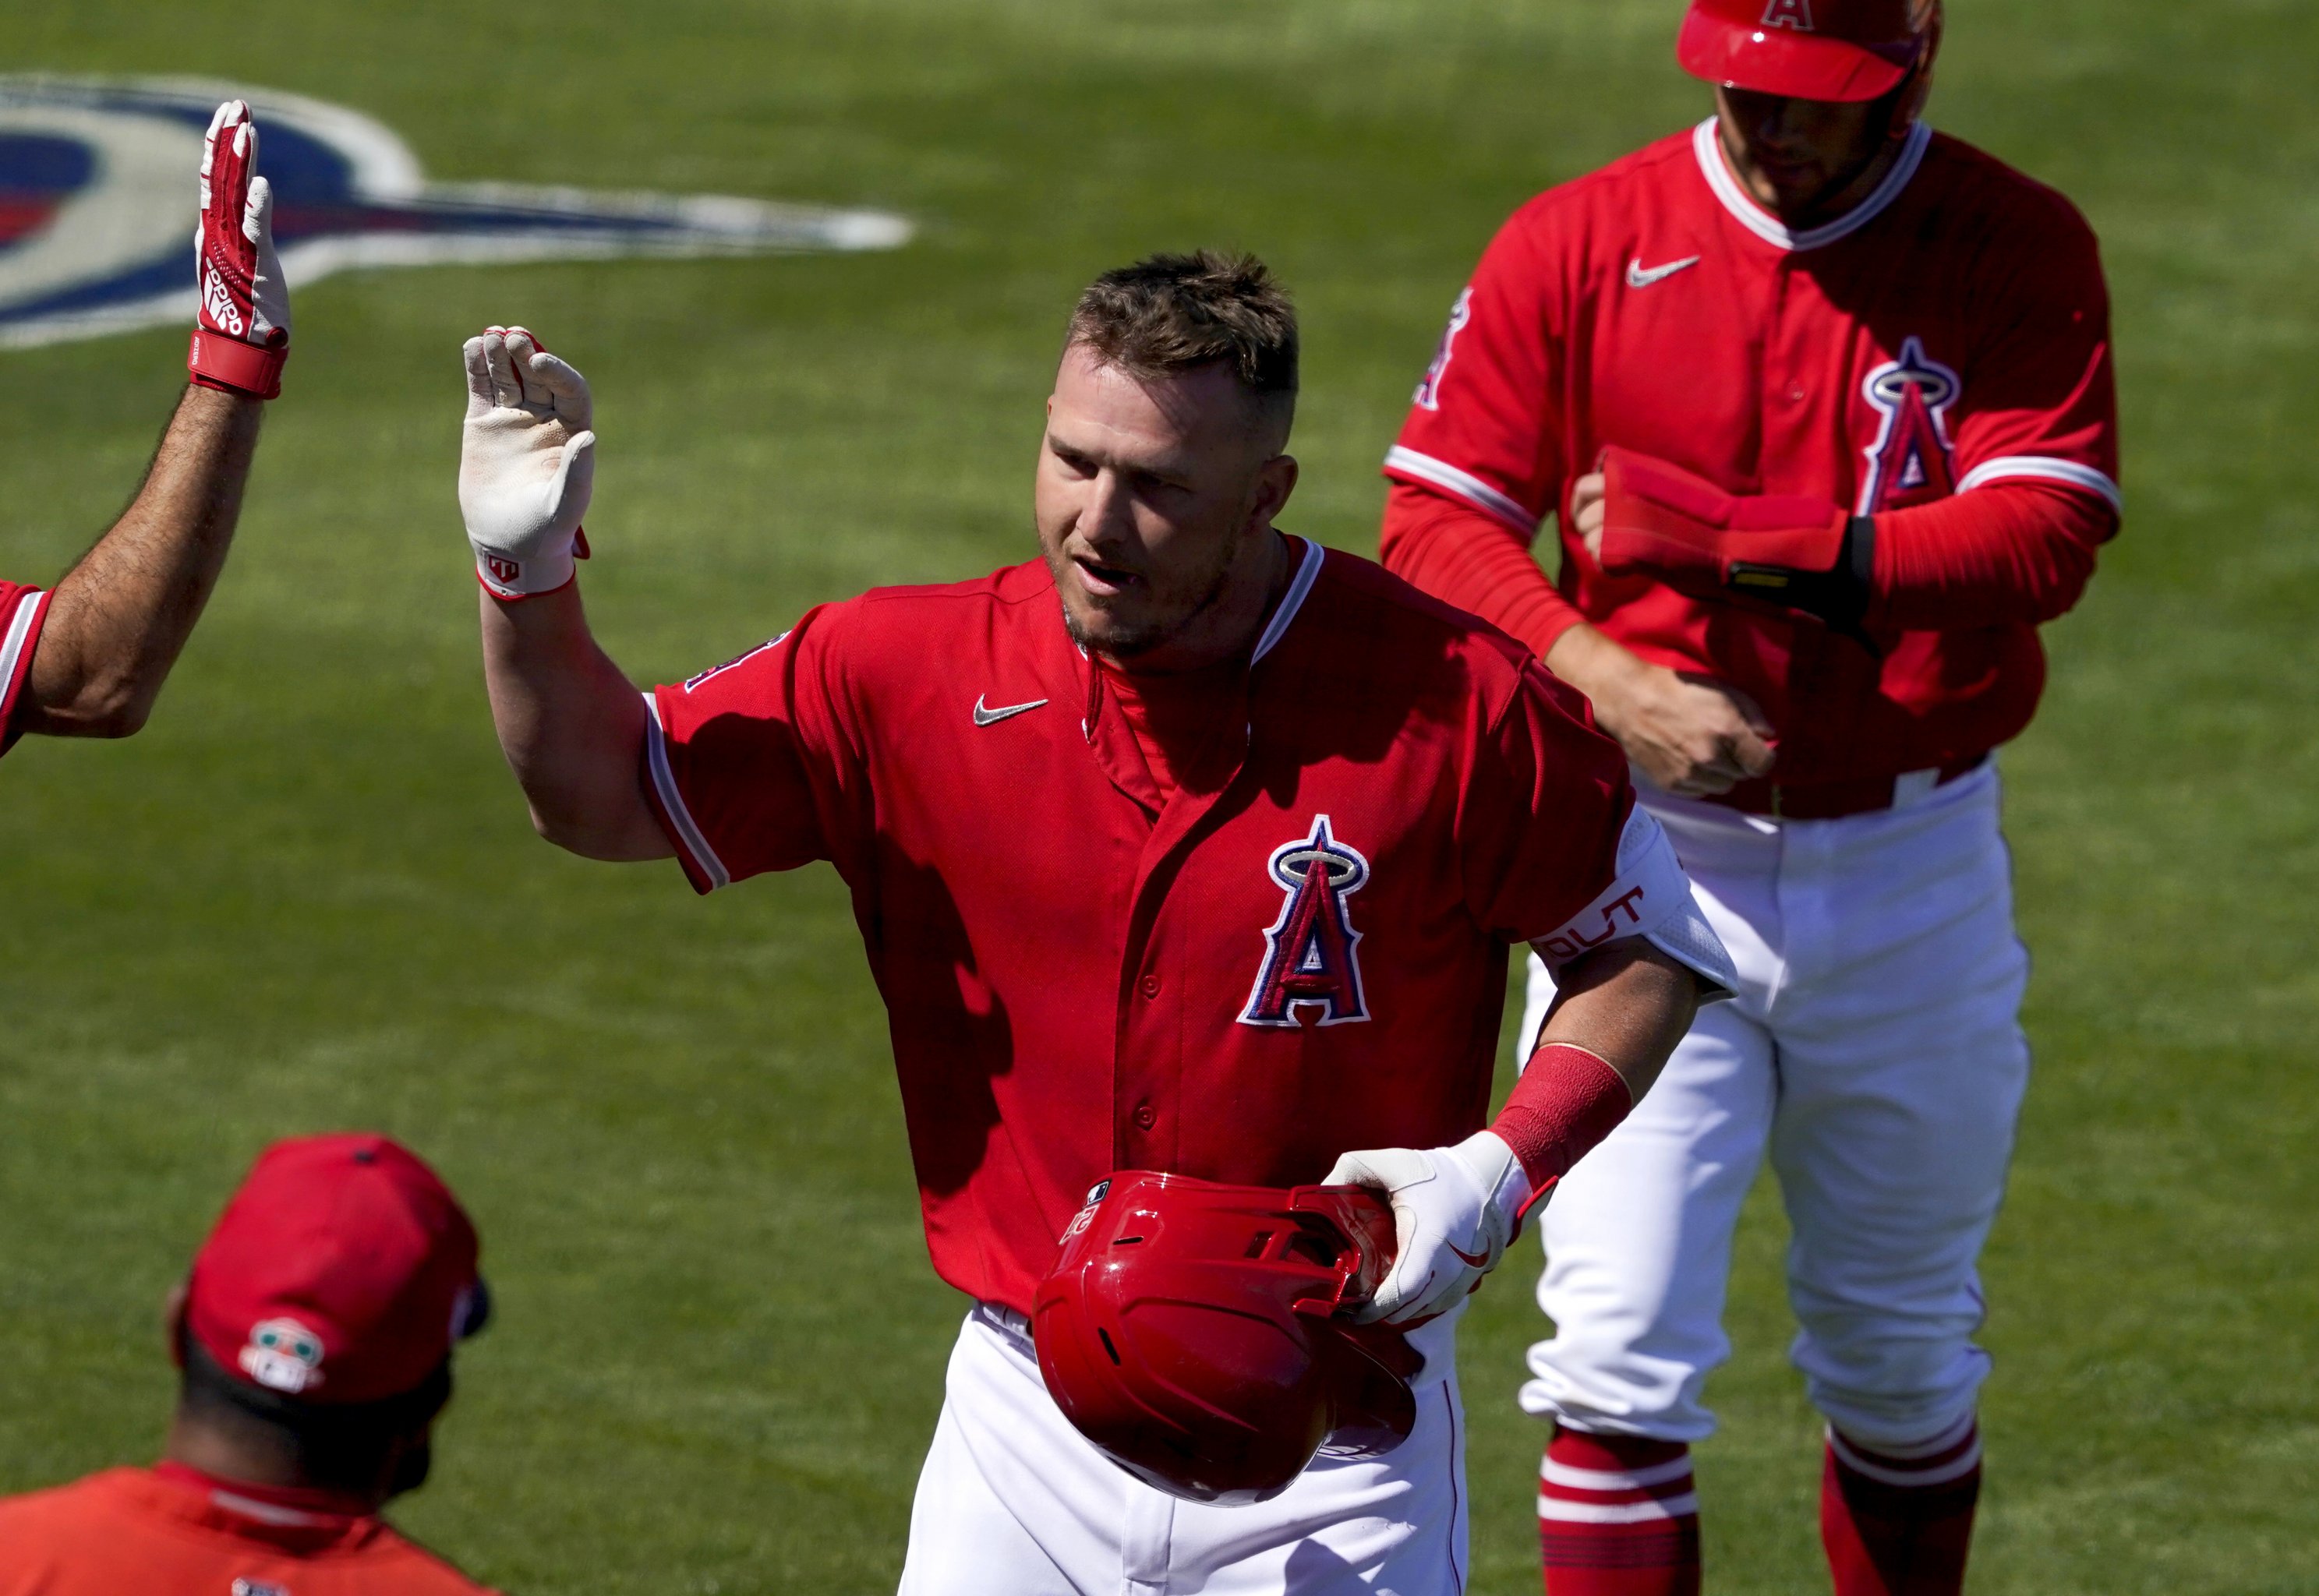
{"x":241,"y":328}
{"x":526,"y":464}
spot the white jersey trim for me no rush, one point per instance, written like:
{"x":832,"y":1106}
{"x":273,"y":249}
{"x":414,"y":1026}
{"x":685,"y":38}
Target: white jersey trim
{"x":1709,"y":150}
{"x":1649,"y":898}
{"x":1440,"y":473}
{"x":12,"y":642}
{"x":671,"y":801}
{"x":1300,"y":587}
{"x":2051,"y":468}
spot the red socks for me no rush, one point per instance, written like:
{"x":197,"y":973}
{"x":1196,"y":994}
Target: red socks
{"x":1618,"y":1516}
{"x":1898,"y":1522}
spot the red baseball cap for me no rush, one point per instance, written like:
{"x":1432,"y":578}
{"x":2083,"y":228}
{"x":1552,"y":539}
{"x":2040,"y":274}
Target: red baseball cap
{"x":1810,"y":49}
{"x":342,"y":1271}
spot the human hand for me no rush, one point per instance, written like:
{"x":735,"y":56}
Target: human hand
{"x":1587,"y":495}
{"x":526,"y":464}
{"x":1691,"y":736}
{"x":1454,"y":1210}
{"x":241,"y":326}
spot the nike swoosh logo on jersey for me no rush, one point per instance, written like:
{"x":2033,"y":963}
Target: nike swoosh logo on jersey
{"x":1639,"y":275}
{"x":988,"y":716}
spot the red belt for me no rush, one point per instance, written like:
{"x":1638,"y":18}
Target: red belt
{"x":1833,"y":800}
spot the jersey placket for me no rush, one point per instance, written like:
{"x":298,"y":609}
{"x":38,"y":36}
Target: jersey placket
{"x":1155,"y":973}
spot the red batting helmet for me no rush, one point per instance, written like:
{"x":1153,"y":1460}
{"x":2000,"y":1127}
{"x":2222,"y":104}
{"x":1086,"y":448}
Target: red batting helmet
{"x":1196,"y":1332}
{"x":1814,"y":50}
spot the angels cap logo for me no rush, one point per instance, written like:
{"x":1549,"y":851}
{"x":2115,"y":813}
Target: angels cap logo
{"x":1312,"y":956}
{"x":98,"y":204}
{"x":1789,"y":13}
{"x":1912,"y":461}
{"x":282,"y":1355}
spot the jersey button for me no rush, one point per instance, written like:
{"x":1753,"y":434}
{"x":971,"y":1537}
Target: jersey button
{"x":1152,"y":985}
{"x":1145,"y":1118}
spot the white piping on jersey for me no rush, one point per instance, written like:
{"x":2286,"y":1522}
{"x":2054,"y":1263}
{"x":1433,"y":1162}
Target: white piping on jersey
{"x":1617,"y":1512}
{"x":1465,"y":484}
{"x":2047,"y":466}
{"x":1292,"y":601}
{"x":1709,"y":148}
{"x":12,"y":644}
{"x":267,"y":1513}
{"x":664,"y":783}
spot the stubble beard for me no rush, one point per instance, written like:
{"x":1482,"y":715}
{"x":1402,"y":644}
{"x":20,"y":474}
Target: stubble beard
{"x":1141,"y":640}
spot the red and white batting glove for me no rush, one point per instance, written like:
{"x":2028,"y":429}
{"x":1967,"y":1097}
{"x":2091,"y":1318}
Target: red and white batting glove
{"x":1454,"y":1210}
{"x":241,"y":330}
{"x":526,"y":464}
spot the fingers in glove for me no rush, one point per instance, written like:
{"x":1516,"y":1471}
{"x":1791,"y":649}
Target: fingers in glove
{"x":507,"y":393}
{"x":479,"y":376}
{"x":521,"y":347}
{"x":555,"y":381}
{"x":257,"y":213}
{"x":575,"y":479}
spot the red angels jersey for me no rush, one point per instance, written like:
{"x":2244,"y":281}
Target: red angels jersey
{"x":134,"y":1529}
{"x":1299,"y":952}
{"x":1949,"y":333}
{"x":21,"y":610}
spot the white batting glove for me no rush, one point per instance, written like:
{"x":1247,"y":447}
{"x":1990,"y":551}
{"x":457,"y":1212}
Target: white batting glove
{"x":241,"y":328}
{"x":1454,"y":1211}
{"x":526,"y":464}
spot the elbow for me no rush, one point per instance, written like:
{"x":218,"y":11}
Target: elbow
{"x":110,"y":711}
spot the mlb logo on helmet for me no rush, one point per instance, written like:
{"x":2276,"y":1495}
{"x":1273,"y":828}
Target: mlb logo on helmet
{"x":97,"y":205}
{"x":282,"y":1355}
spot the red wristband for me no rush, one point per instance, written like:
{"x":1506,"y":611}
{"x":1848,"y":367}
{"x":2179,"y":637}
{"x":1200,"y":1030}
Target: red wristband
{"x":218,"y":361}
{"x":1566,"y":1103}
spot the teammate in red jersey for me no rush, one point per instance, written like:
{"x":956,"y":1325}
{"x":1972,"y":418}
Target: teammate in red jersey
{"x":314,"y":1337}
{"x":88,"y":659}
{"x":1823,"y":403}
{"x":1190,"y":847}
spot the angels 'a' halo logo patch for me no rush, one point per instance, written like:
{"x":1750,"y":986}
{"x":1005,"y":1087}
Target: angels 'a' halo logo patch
{"x":97,"y":205}
{"x":282,"y":1355}
{"x":1312,"y":954}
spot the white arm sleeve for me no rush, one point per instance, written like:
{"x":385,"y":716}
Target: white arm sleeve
{"x":1650,"y":897}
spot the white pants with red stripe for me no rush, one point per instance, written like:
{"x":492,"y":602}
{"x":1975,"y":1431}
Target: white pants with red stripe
{"x":1873,"y":1053}
{"x":1014,"y":1501}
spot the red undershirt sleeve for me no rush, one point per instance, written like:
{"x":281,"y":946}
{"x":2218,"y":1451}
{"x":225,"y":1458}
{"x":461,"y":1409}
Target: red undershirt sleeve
{"x":1468,"y":558}
{"x":2020,"y":552}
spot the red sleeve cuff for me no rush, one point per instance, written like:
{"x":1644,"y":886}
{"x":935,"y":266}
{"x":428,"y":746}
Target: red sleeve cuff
{"x":20,"y":634}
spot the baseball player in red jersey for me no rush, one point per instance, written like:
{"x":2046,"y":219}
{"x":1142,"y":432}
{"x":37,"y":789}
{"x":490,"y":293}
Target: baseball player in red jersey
{"x":314,"y":1337}
{"x":1823,"y":402}
{"x":88,"y":659}
{"x":1189,"y":847}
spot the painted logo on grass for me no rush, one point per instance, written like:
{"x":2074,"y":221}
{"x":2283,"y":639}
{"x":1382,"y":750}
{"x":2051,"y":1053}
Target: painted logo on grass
{"x":97,"y":205}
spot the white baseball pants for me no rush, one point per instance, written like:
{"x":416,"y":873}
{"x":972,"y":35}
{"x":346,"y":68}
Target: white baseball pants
{"x":1874,"y":1050}
{"x":1015,"y":1502}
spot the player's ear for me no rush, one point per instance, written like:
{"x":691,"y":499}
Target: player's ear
{"x":1275,"y":481}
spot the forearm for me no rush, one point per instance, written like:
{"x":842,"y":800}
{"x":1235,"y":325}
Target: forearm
{"x":118,"y":620}
{"x":1465,"y":557}
{"x":572,"y":726}
{"x":1619,"y":1013}
{"x":2021,"y":551}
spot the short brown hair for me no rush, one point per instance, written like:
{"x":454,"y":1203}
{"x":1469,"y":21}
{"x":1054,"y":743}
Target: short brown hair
{"x":1172,"y":313}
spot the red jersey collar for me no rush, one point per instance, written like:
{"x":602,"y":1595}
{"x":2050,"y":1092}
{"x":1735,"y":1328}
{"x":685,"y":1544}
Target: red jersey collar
{"x":280,"y":1507}
{"x":1717,"y":170}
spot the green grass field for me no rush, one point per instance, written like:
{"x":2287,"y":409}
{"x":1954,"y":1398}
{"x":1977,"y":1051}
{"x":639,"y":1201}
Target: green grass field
{"x":307,"y":897}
